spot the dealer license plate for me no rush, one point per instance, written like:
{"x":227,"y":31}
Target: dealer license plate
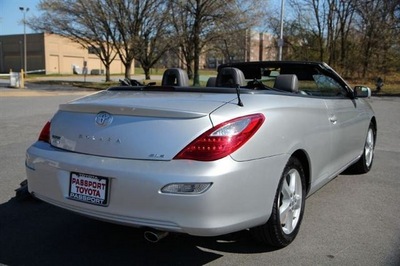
{"x":89,"y":189}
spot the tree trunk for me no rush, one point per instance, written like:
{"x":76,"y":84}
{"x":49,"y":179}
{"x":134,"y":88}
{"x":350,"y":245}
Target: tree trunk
{"x":108,"y":73}
{"x":189,"y":69}
{"x":196,"y":78}
{"x":146,"y":72}
{"x":128,"y":67}
{"x":196,"y":47}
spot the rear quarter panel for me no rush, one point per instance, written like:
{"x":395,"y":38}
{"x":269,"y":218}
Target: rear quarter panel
{"x":291,"y":123}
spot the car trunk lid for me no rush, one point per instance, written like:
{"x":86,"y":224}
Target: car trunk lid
{"x":134,"y":125}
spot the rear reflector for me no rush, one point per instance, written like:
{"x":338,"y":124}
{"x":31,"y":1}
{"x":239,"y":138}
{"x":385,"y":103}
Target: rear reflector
{"x":186,"y":188}
{"x":222,"y":140}
{"x":45,"y":133}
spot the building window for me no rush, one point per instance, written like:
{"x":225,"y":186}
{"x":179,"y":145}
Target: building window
{"x":94,"y":50}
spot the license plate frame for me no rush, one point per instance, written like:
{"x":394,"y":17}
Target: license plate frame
{"x":91,"y":189}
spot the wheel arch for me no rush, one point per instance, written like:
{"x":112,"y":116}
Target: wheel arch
{"x":302,"y":156}
{"x":373,"y":122}
{"x":375,"y":127}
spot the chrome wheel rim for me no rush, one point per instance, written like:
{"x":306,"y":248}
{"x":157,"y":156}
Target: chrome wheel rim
{"x":369,"y":148}
{"x":290,"y":201}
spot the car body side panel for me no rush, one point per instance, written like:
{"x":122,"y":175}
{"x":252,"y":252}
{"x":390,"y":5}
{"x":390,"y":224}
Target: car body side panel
{"x":330,"y":147}
{"x":291,"y":123}
{"x":349,"y":119}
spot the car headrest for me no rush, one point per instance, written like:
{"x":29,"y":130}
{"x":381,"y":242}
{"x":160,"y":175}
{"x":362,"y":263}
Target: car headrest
{"x":287,"y":82}
{"x":230,"y":77}
{"x":175,"y":77}
{"x":211,"y":82}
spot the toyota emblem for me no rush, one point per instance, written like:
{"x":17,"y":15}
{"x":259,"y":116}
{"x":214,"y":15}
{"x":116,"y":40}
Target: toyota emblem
{"x":103,"y":119}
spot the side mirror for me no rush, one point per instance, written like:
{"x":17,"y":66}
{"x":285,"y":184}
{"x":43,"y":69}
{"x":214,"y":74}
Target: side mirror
{"x":362,"y":92}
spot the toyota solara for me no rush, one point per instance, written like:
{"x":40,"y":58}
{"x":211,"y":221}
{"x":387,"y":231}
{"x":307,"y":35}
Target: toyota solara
{"x":242,"y":153}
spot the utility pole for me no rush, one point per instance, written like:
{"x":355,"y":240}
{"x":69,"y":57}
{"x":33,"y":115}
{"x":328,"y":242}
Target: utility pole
{"x":24,"y":10}
{"x":280,"y":41}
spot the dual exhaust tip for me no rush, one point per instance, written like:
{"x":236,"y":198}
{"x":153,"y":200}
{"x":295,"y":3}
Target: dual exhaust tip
{"x":153,"y":236}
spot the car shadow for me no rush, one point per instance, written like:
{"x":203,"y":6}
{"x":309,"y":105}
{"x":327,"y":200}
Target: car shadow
{"x":36,"y":233}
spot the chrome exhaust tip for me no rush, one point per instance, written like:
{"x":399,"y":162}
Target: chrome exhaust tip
{"x":154,"y":236}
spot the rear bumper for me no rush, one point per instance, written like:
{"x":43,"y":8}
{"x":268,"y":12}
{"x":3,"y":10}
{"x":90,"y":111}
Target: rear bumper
{"x":241,"y":195}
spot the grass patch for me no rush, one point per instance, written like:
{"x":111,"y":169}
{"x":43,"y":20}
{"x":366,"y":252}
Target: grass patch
{"x":160,"y":71}
{"x":102,"y":85}
{"x":391,"y":84}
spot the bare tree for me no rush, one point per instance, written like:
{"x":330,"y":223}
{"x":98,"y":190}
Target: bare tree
{"x":140,"y":31}
{"x":318,"y":8}
{"x":182,"y":26}
{"x":323,"y":26}
{"x":306,"y":32}
{"x":198,"y":23}
{"x":153,"y":41}
{"x":339,"y":16}
{"x":378,"y":28}
{"x":345,"y":16}
{"x":82,"y":21}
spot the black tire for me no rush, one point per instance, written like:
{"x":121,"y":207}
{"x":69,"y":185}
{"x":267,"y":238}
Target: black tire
{"x":291,"y":200}
{"x":364,"y":164}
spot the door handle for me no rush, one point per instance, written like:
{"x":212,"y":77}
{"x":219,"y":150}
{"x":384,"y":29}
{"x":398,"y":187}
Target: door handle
{"x":333,"y":119}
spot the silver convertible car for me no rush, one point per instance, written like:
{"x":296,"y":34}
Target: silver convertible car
{"x":242,"y":153}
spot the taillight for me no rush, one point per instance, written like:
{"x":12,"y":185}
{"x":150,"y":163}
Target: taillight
{"x":45,"y":133}
{"x":222,"y":140}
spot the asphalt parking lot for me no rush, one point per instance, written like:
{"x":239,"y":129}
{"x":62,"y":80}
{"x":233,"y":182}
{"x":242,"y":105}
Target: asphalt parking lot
{"x":353,"y":220}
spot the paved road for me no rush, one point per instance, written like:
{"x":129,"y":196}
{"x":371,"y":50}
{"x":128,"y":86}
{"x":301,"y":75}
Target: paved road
{"x":354,"y":220}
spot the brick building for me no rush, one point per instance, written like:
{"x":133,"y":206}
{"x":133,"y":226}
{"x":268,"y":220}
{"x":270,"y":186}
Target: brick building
{"x":52,"y":53}
{"x":58,"y":55}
